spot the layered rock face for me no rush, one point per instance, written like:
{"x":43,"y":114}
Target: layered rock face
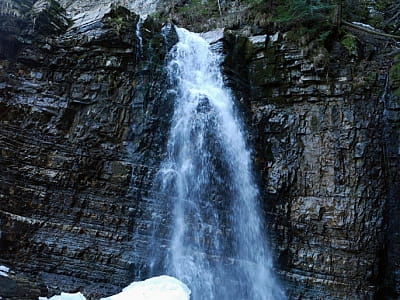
{"x":391,"y":285}
{"x":85,"y":113}
{"x":318,"y":128}
{"x":72,"y":107}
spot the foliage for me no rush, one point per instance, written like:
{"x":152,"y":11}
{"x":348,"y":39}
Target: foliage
{"x":382,"y":14}
{"x":382,"y":5}
{"x":294,"y":11}
{"x":379,"y":13}
{"x":395,"y":75}
{"x":349,"y":41}
{"x":253,"y":3}
{"x":355,"y":10}
{"x":392,"y":16}
{"x":196,"y":9}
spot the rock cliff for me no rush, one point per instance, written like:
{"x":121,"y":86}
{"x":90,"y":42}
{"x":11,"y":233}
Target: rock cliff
{"x":318,"y":127}
{"x":76,"y":149}
{"x":85,"y":112}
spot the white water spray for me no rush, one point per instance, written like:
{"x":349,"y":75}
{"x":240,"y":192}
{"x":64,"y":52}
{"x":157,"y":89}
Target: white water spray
{"x":218,"y":247}
{"x":139,"y":35}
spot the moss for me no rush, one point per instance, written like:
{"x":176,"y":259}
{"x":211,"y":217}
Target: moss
{"x":294,"y":12}
{"x":244,"y":46}
{"x":395,"y":75}
{"x":371,"y":77}
{"x":160,"y":17}
{"x":119,"y":18}
{"x":396,"y":59}
{"x":270,"y":53}
{"x":253,"y":3}
{"x":314,"y":40}
{"x":269,"y":71}
{"x":195,"y":9}
{"x":312,"y":31}
{"x":349,"y":42}
{"x":397,"y":93}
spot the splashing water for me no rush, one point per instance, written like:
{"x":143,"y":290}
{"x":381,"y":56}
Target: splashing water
{"x":218,"y":247}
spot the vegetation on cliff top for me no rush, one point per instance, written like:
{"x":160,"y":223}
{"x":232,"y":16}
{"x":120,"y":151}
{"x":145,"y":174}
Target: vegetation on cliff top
{"x":383,"y":14}
{"x":315,"y":24}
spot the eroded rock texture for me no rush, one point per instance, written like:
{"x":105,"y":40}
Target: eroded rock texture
{"x":84,"y":116}
{"x":71,"y":107}
{"x":391,"y":286}
{"x":318,"y":128}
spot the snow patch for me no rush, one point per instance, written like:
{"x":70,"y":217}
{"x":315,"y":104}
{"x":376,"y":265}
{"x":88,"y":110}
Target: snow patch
{"x":65,"y":296}
{"x":274,"y":38}
{"x":156,"y":288}
{"x":4,"y":271}
{"x":258,"y":39}
{"x":366,"y":26}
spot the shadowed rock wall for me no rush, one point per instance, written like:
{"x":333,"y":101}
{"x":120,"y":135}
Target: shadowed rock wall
{"x":73,"y":108}
{"x":318,"y":128}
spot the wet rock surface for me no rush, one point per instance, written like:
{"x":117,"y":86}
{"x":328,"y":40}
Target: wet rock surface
{"x":84,"y":117}
{"x":318,"y":129}
{"x":391,"y":282}
{"x":71,"y":107}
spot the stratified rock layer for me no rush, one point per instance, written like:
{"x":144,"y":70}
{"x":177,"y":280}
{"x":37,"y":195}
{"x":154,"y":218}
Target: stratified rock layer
{"x":318,"y":128}
{"x":83,"y":118}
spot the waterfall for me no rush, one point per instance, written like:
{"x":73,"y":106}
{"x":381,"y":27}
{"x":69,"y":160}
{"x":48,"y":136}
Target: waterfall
{"x":217,"y":243}
{"x":139,"y":36}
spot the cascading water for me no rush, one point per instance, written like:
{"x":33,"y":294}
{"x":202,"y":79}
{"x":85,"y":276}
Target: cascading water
{"x":217,"y":237}
{"x":139,"y":35}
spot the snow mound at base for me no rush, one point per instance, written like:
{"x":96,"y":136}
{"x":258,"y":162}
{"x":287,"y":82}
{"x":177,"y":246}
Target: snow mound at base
{"x":65,"y":296}
{"x":156,"y":288}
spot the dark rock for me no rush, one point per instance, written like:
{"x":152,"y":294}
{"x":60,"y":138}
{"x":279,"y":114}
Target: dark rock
{"x":72,"y":107}
{"x":19,"y":288}
{"x":319,"y":148}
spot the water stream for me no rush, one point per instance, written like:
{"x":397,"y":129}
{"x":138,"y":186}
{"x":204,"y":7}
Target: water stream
{"x":218,"y":246}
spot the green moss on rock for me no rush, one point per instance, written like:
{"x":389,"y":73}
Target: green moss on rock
{"x":197,"y":11}
{"x":349,"y":42}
